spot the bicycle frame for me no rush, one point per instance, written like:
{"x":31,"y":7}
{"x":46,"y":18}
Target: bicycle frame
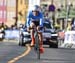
{"x":37,"y":44}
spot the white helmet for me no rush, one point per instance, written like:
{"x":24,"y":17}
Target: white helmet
{"x":36,"y":8}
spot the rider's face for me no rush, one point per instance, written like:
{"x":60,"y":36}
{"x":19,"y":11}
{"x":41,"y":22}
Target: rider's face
{"x":35,"y":13}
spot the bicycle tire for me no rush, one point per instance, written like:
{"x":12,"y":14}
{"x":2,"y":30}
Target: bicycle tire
{"x":37,"y":46}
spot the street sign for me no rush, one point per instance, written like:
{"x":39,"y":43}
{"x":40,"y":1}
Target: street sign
{"x":52,"y":8}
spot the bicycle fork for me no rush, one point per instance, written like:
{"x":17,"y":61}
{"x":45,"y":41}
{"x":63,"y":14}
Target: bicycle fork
{"x":37,"y":45}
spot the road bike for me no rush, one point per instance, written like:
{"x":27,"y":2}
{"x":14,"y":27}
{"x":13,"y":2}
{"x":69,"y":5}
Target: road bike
{"x":37,"y":44}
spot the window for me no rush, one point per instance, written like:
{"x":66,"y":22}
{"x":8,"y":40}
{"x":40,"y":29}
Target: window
{"x":11,"y":3}
{"x":4,"y":14}
{"x":0,"y":13}
{"x":1,"y":2}
{"x":10,"y":15}
{"x":5,"y":2}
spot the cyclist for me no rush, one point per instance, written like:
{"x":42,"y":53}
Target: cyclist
{"x":35,"y":19}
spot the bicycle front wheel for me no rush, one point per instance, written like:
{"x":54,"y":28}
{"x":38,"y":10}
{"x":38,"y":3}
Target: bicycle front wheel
{"x":37,"y":46}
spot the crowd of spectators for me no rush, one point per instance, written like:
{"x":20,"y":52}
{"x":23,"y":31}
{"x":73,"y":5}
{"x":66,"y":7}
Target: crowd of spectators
{"x":5,"y":27}
{"x":49,"y":15}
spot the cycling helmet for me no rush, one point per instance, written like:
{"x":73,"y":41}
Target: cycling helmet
{"x":36,"y":8}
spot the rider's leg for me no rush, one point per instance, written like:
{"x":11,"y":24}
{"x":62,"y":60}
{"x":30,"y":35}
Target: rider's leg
{"x":41,"y":42}
{"x":41,"y":39}
{"x":40,"y":36}
{"x":32,"y":37}
{"x":32,"y":34}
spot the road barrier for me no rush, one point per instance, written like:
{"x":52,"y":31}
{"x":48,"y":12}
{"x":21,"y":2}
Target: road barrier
{"x":11,"y":34}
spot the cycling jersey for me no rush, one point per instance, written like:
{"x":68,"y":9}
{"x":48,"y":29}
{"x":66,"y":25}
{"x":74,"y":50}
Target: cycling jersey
{"x":31,"y":17}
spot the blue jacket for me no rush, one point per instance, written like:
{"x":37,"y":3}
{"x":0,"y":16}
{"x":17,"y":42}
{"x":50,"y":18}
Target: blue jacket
{"x":31,"y":16}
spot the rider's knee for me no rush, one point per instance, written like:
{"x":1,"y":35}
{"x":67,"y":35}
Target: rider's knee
{"x":32,"y":25}
{"x":40,"y":37}
{"x":38,"y":28}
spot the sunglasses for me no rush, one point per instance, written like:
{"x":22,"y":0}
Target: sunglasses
{"x":34,"y":11}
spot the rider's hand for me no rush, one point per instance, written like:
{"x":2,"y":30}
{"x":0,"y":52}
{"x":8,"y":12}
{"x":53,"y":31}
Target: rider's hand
{"x":38,"y":27}
{"x":28,"y":29}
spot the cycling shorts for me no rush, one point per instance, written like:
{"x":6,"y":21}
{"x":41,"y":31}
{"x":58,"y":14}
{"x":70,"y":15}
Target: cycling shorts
{"x":36,"y":23}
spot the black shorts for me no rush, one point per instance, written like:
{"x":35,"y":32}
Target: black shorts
{"x":36,"y":23}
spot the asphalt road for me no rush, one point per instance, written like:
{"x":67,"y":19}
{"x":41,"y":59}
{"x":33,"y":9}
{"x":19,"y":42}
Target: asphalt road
{"x":10,"y":52}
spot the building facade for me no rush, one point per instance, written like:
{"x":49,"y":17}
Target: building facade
{"x":7,"y":12}
{"x":19,"y":8}
{"x":11,"y":12}
{"x":22,"y":11}
{"x":3,"y":11}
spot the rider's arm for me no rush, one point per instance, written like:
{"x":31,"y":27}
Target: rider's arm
{"x":28,"y":22}
{"x":41,"y":20}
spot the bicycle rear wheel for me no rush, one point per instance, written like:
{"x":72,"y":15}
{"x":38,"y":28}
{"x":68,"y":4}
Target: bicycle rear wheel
{"x":37,"y":46}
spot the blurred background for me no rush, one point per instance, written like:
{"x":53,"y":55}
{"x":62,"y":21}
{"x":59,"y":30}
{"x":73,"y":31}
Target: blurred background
{"x":13,"y":13}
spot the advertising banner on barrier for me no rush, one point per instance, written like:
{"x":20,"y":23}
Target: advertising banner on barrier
{"x":69,"y":37}
{"x":12,"y":34}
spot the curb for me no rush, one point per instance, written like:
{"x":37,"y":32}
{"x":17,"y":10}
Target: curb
{"x":9,"y":40}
